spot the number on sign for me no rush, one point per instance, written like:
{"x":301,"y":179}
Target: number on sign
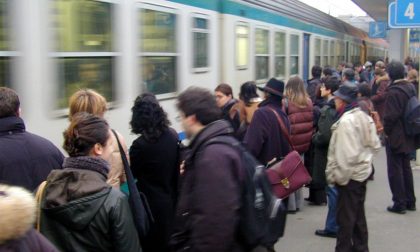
{"x":409,"y":12}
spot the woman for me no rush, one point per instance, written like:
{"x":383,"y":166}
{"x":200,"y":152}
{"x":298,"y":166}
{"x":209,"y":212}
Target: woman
{"x":299,"y":109}
{"x":413,"y":77}
{"x":87,"y":100}
{"x":79,"y":210}
{"x":154,"y":162}
{"x":245,"y":108}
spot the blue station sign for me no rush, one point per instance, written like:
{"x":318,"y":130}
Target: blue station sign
{"x":404,"y":14}
{"x":377,"y":29}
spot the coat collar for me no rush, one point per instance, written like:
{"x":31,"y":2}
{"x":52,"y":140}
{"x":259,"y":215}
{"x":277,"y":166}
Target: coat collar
{"x":11,"y":124}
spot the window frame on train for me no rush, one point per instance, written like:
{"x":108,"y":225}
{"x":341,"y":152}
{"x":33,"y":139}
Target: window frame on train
{"x":242,"y":38}
{"x":280,"y":53}
{"x":294,"y":55}
{"x":203,"y":31}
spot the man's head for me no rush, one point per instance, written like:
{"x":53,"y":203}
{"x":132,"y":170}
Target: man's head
{"x":358,"y":67}
{"x":368,"y":65}
{"x":197,"y":107}
{"x":395,"y":70}
{"x":330,"y":85}
{"x":9,"y":103}
{"x":223,"y":93}
{"x":348,"y":75}
{"x":316,"y":71}
{"x":346,"y":94}
{"x":341,"y":66}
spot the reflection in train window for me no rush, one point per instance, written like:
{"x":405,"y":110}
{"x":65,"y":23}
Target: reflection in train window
{"x":325,"y":52}
{"x":4,"y":45}
{"x":200,"y":42}
{"x":261,"y":54}
{"x":82,"y":26}
{"x":83,"y":72}
{"x":84,"y":47}
{"x":294,"y":54}
{"x":332,"y":54}
{"x":280,"y":51}
{"x":317,"y":52}
{"x":159,"y":76}
{"x":242,"y":46}
{"x":158,"y":51}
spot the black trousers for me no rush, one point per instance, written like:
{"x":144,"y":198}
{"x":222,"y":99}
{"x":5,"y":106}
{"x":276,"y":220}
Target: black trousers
{"x":352,"y":235}
{"x":400,"y":177}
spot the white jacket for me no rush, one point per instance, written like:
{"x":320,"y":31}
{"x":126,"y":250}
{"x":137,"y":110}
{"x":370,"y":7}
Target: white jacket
{"x":353,"y":143}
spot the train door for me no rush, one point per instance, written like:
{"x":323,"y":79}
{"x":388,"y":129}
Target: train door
{"x":348,"y":54}
{"x":306,"y":63}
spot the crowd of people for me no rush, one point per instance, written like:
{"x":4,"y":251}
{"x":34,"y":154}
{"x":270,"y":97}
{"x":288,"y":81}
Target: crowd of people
{"x":337,"y":121}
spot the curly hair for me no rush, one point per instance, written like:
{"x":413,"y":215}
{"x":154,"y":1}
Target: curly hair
{"x":148,"y":119}
{"x":85,"y":130}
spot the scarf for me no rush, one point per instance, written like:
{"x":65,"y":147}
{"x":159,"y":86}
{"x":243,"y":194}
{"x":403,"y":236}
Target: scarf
{"x":344,"y":109}
{"x":87,"y":163}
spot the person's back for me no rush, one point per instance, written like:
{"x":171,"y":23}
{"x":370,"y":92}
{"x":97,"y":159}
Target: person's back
{"x":25,"y":159}
{"x":79,"y":210}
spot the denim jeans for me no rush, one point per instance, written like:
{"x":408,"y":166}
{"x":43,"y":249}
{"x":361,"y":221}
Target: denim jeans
{"x":331,"y":222}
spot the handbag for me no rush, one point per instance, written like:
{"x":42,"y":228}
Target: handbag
{"x":38,"y":199}
{"x":142,"y":215}
{"x":289,"y":174}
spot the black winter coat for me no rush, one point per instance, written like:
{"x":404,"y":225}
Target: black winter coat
{"x":320,"y":143}
{"x":395,"y":104}
{"x":207,"y":215}
{"x":32,"y":241}
{"x":156,"y":167}
{"x":25,"y":159}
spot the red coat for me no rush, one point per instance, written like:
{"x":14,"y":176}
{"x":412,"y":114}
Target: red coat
{"x":301,"y":124}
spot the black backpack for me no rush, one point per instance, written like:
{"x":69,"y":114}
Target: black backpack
{"x":263,"y":215}
{"x":411,"y":119}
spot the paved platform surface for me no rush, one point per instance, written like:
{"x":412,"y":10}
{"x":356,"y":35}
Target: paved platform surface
{"x":388,"y":232}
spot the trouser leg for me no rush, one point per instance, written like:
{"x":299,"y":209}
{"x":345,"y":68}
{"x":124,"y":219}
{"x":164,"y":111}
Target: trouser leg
{"x":331,"y":223}
{"x":360,"y":232}
{"x":408,"y":181}
{"x":395,"y":177}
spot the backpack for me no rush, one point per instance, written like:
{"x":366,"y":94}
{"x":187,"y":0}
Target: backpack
{"x":411,"y":119}
{"x":262,"y":216}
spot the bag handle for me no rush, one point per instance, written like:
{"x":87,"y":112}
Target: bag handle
{"x":283,"y":128}
{"x":38,"y":200}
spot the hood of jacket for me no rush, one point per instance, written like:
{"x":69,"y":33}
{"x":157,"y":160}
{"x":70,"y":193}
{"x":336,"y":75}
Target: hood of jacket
{"x":11,"y":123}
{"x":17,"y":213}
{"x":73,"y":196}
{"x":382,"y":78}
{"x":216,"y":128}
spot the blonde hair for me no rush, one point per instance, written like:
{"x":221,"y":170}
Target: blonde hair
{"x":87,"y":100}
{"x":412,"y":75}
{"x":296,"y":93}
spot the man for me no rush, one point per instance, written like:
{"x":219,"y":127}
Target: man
{"x":225,"y":101}
{"x":314,"y":83}
{"x":365,"y":75}
{"x":264,"y":138}
{"x":207,"y":215}
{"x":353,"y":143}
{"x":25,"y":159}
{"x":319,"y":189}
{"x":348,"y":76}
{"x":398,"y":144}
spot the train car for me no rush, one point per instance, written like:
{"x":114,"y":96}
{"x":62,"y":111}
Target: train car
{"x":121,"y":48}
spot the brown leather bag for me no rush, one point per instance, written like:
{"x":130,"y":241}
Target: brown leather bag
{"x":289,"y":174}
{"x":377,"y":120}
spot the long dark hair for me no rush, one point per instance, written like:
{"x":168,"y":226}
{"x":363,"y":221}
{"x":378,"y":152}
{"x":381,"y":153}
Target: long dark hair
{"x":148,"y":119}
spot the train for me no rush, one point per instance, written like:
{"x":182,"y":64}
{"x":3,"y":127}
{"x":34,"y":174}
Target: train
{"x":121,"y":48}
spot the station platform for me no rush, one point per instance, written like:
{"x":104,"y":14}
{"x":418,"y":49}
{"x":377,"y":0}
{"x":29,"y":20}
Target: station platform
{"x":388,"y":232}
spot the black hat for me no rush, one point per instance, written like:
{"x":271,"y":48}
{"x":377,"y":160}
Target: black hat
{"x":273,"y":86}
{"x":347,"y":92}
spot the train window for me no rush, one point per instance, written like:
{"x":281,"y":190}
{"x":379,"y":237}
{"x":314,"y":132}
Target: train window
{"x":5,"y":49}
{"x":261,"y":54}
{"x":200,"y":31}
{"x":242,"y":46}
{"x":158,"y":51}
{"x":84,"y":47}
{"x":294,"y":54}
{"x":332,"y":54}
{"x":325,"y":52}
{"x":280,"y":51}
{"x":317,"y":52}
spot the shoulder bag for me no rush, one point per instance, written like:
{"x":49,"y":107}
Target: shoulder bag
{"x":289,"y":174}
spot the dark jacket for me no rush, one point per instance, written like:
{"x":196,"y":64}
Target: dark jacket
{"x":32,"y":241}
{"x":156,"y":167}
{"x":81,"y":212}
{"x":301,"y":124}
{"x":25,"y":159}
{"x":379,"y":94}
{"x":207,"y":215}
{"x":232,"y":114}
{"x":320,"y":141}
{"x":313,"y":85}
{"x":395,"y":104}
{"x":264,"y":138}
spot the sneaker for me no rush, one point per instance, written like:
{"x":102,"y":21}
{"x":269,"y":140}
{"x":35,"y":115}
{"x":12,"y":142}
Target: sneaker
{"x":325,"y":233}
{"x":394,"y":209}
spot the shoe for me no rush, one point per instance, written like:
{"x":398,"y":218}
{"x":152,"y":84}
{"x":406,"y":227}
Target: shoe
{"x":411,"y":207}
{"x":394,"y":209}
{"x":311,"y":203}
{"x":325,"y":233}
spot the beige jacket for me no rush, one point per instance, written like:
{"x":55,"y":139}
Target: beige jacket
{"x":116,"y":175}
{"x":353,"y":143}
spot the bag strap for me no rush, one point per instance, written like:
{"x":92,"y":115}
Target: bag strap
{"x":38,"y":200}
{"x":283,"y":128}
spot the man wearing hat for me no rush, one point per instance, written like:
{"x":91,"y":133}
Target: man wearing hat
{"x":353,"y":143}
{"x":366,"y":74}
{"x":264,"y":138}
